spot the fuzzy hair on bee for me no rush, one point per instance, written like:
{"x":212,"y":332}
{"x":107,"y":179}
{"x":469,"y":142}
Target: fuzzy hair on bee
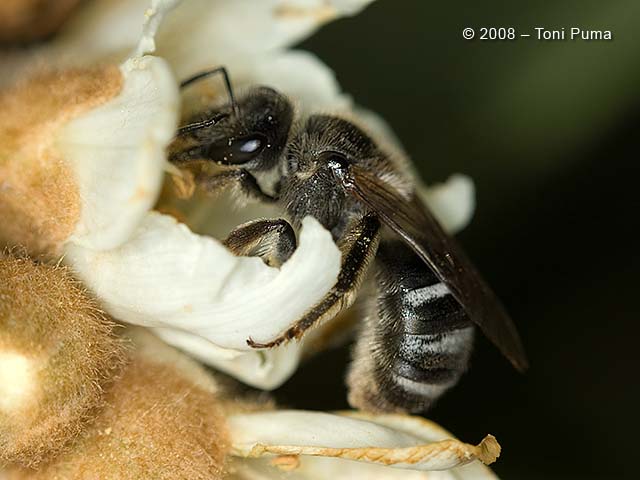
{"x":424,"y":296}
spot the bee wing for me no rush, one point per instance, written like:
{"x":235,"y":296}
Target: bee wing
{"x":416,"y":225}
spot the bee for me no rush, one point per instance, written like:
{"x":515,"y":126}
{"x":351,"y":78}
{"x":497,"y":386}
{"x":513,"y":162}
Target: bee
{"x":426,"y":296}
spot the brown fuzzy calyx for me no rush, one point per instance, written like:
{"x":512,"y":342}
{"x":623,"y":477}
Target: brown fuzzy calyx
{"x":161,"y":421}
{"x":39,"y":199}
{"x":27,"y":20}
{"x":57,"y":354}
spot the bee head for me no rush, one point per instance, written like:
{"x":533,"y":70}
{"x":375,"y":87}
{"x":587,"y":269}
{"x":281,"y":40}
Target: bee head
{"x":251,"y":133}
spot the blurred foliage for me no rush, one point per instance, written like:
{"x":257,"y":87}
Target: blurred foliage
{"x":549,"y":131}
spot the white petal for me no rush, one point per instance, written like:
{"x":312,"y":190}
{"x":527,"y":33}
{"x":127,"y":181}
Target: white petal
{"x":322,"y":468}
{"x":166,"y":276}
{"x":452,"y":202}
{"x":264,"y":369}
{"x":148,"y":346}
{"x":100,"y":29}
{"x":117,"y":153}
{"x":391,"y":440}
{"x":198,"y":32}
{"x":201,"y":34}
{"x":298,"y":74}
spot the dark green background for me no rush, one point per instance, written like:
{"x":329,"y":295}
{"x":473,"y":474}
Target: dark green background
{"x":549,"y":131}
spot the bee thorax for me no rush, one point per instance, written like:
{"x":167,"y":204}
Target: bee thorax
{"x":318,"y":196}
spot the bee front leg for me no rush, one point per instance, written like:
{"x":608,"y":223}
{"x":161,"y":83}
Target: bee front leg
{"x":358,"y":247}
{"x":273,"y":240}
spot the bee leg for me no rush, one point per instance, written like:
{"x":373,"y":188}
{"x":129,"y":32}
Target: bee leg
{"x":273,"y":240}
{"x":239,"y":178}
{"x":358,"y":247}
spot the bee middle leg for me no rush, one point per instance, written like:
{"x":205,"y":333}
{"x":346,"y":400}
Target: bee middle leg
{"x":358,"y":247}
{"x":273,"y":240}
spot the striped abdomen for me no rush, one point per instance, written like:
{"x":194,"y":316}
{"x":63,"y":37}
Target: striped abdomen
{"x":417,"y":340}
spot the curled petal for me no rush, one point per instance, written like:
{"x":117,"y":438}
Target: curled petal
{"x":390,"y":440}
{"x":117,"y":152}
{"x":166,"y":276}
{"x":264,"y":369}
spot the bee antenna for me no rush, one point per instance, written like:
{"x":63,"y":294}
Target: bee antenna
{"x":192,"y":127}
{"x":209,"y":73}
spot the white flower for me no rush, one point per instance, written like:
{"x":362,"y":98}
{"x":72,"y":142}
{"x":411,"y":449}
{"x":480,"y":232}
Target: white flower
{"x":145,"y":267}
{"x":148,"y":269}
{"x":200,"y":296}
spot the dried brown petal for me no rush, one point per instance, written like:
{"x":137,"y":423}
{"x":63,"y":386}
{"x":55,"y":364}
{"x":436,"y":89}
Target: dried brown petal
{"x":161,"y":421}
{"x":57,"y":352}
{"x":28,"y":20}
{"x":393,"y":440}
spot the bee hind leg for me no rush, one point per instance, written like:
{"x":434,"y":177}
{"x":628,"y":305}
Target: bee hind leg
{"x":273,"y":240}
{"x":358,"y":247}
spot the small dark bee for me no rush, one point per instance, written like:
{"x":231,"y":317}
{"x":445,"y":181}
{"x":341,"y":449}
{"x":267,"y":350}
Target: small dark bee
{"x":427,"y":296}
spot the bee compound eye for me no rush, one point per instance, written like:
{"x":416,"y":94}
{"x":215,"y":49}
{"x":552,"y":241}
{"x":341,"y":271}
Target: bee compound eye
{"x":335,"y":160}
{"x":250,"y":145}
{"x":246,"y":148}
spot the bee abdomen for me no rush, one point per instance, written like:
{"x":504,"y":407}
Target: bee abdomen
{"x":430,"y":347}
{"x":420,"y":337}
